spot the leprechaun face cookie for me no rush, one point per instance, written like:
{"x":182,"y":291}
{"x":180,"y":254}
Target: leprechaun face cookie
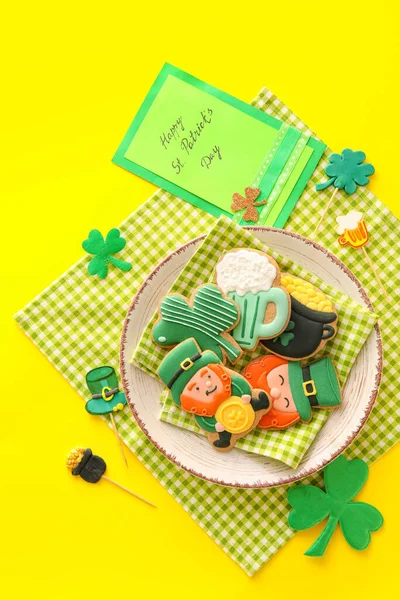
{"x":293,"y":389}
{"x":222,"y":402}
{"x":207,"y":317}
{"x":252,"y":280}
{"x":313,"y":321}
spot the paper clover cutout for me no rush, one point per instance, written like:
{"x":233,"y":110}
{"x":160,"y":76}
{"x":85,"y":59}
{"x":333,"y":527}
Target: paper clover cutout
{"x":347,"y":170}
{"x":103,"y":249}
{"x":311,"y":505}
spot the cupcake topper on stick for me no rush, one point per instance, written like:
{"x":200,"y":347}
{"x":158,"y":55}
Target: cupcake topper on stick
{"x":352,"y":231}
{"x":346,"y":171}
{"x":91,"y":468}
{"x":106,"y":397}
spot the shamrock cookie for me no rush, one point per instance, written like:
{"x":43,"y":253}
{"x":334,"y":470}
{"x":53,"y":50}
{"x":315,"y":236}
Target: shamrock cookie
{"x":294,"y":390}
{"x":222,"y":402}
{"x":313,"y":321}
{"x":207,"y":317}
{"x":252,"y":280}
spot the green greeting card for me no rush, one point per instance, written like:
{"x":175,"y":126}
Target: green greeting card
{"x":203,"y":145}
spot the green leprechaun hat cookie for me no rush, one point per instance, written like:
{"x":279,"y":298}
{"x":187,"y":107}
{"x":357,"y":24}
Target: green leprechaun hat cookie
{"x":314,"y":385}
{"x":106,"y":396}
{"x":181,"y":363}
{"x":221,"y":401}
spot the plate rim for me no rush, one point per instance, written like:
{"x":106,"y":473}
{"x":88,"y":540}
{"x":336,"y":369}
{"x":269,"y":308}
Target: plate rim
{"x":256,"y":485}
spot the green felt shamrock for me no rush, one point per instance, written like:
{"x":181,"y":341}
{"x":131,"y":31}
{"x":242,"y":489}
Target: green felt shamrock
{"x":285,"y":337}
{"x":347,"y":170}
{"x":311,"y":505}
{"x":103,"y":250}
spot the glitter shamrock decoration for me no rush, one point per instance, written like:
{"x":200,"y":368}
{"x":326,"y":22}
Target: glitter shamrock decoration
{"x":345,"y":171}
{"x":103,"y":249}
{"x":311,"y":505}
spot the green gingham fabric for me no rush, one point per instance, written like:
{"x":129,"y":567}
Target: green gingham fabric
{"x":79,"y":309}
{"x":355,"y":324}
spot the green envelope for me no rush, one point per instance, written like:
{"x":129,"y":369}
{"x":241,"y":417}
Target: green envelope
{"x":204,"y":145}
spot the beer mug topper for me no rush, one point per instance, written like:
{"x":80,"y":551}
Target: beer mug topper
{"x":353,"y":232}
{"x":346,"y":171}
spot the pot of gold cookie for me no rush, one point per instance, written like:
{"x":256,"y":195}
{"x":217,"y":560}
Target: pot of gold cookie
{"x":313,"y":321}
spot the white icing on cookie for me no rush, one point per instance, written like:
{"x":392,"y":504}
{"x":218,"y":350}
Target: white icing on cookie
{"x":245,"y":271}
{"x":349,"y":221}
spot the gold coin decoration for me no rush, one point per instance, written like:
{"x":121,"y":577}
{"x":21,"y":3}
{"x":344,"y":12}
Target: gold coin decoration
{"x":235,"y":415}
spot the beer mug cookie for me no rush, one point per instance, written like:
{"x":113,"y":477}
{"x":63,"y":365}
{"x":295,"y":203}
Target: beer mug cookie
{"x":252,"y":279}
{"x":313,"y":321}
{"x":222,"y":402}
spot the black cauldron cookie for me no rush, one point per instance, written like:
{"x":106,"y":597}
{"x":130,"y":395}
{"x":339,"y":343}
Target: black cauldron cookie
{"x":313,"y":321}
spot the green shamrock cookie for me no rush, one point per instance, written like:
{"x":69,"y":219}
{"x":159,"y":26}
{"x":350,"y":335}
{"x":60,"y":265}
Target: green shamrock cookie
{"x":207,"y":318}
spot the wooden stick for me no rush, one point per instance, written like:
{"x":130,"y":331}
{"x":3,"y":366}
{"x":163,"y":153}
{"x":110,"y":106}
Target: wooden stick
{"x":327,"y":207}
{"x":121,"y":447}
{"x":371,"y":264}
{"x":129,"y":491}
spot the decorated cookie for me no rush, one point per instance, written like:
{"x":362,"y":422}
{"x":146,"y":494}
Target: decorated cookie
{"x":252,"y":280}
{"x":206,"y":317}
{"x":294,"y":390}
{"x":222,"y":402}
{"x":313,"y":321}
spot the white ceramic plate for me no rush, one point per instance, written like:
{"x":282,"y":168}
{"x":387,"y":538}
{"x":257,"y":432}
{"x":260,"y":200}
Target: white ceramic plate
{"x":237,"y":468}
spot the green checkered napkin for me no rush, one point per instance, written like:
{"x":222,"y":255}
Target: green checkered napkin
{"x":355,"y":324}
{"x":76,"y":323}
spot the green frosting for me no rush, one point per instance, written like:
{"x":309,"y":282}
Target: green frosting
{"x":251,"y":326}
{"x":211,"y":315}
{"x":327,"y":390}
{"x":240,"y":386}
{"x":173,"y":361}
{"x":206,"y":423}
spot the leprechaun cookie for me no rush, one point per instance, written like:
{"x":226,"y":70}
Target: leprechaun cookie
{"x":293,"y":389}
{"x":252,"y":280}
{"x":313,"y":321}
{"x":222,"y":402}
{"x":207,"y":317}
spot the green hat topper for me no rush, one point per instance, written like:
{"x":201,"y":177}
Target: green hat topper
{"x":106,"y":397}
{"x":314,"y":385}
{"x":181,"y":363}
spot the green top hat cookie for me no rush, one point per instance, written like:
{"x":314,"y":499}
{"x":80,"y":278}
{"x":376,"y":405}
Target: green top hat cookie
{"x":181,"y":363}
{"x":106,"y":397}
{"x":314,"y":385}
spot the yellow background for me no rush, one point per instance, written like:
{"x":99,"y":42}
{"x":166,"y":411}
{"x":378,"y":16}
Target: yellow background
{"x":73,"y":76}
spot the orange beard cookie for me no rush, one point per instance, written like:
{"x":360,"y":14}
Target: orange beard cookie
{"x":293,"y":389}
{"x":222,"y":402}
